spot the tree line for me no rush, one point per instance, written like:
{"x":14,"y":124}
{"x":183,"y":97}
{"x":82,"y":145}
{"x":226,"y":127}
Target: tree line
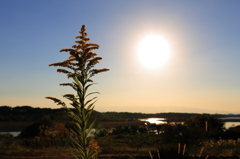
{"x":28,"y":113}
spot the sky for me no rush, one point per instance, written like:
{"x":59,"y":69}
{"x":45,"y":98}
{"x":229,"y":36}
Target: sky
{"x":201,"y":76}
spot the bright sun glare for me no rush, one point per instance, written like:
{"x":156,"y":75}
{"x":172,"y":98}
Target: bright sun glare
{"x":153,"y":51}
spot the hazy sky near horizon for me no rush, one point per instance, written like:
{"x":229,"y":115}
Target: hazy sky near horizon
{"x":202,"y":74}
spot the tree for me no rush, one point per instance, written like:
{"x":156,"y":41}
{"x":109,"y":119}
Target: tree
{"x":204,"y":127}
{"x":232,"y":133}
{"x":33,"y":130}
{"x":80,"y":67}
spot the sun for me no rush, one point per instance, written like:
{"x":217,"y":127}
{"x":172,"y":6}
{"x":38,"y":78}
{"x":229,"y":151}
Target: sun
{"x":153,"y":51}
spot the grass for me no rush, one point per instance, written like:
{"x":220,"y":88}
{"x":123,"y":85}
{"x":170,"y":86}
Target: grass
{"x":121,"y":146}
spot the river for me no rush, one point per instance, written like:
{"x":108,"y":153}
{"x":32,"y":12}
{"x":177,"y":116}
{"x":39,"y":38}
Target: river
{"x":150,"y":120}
{"x":163,"y":120}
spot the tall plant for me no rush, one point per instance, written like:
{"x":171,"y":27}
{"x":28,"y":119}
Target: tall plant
{"x":80,"y":67}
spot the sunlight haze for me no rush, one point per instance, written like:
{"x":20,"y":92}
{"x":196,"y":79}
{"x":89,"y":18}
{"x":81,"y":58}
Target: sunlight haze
{"x":195,"y":67}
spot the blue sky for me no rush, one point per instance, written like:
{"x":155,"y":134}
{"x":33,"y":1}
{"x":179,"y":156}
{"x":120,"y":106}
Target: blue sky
{"x":202,"y":74}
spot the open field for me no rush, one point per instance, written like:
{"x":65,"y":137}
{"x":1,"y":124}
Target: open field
{"x":46,"y":134}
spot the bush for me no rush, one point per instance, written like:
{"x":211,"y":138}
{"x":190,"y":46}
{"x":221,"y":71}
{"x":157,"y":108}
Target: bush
{"x":232,"y":133}
{"x":33,"y":130}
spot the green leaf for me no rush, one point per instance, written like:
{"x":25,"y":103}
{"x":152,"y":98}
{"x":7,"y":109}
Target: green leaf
{"x":90,"y":127}
{"x":77,"y":82}
{"x":90,"y":101}
{"x":91,"y":94}
{"x":86,"y":88}
{"x":91,"y":105}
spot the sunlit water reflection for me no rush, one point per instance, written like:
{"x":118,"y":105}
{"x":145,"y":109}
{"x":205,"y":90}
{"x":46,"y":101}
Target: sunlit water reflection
{"x":155,"y":120}
{"x":14,"y":133}
{"x":159,"y":121}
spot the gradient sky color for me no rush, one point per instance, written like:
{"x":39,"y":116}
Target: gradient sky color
{"x":202,"y":75}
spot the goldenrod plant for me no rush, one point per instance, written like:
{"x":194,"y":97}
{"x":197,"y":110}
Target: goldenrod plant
{"x":80,"y":68}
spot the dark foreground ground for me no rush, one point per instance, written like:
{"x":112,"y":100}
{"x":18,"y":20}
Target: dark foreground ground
{"x":118,"y":157}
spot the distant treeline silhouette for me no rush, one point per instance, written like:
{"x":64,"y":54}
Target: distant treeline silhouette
{"x":28,"y":113}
